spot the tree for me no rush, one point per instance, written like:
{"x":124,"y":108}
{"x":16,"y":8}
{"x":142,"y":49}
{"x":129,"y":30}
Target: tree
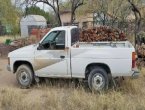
{"x":56,"y":5}
{"x":137,"y":18}
{"x":74,"y":5}
{"x":111,"y":11}
{"x":36,"y":10}
{"x":8,"y":15}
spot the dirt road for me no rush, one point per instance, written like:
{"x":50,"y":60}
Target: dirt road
{"x":7,"y":79}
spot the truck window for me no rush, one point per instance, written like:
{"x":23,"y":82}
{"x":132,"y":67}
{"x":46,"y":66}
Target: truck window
{"x":50,"y":37}
{"x":74,"y":36}
{"x":60,"y":40}
{"x":54,"y":40}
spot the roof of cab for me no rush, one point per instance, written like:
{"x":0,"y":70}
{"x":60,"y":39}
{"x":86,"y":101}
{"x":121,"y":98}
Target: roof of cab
{"x":64,"y":27}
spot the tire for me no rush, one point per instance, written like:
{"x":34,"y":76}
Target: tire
{"x":98,"y":79}
{"x":24,"y":76}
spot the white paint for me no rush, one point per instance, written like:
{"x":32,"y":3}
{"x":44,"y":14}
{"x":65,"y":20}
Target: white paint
{"x":117,"y":55}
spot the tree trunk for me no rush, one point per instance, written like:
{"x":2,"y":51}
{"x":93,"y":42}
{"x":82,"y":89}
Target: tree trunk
{"x":72,"y":12}
{"x":75,"y":5}
{"x":137,"y":19}
{"x":71,"y":21}
{"x":59,"y":19}
{"x":58,"y":14}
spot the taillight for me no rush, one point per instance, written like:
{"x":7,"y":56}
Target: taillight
{"x":134,"y":59}
{"x":8,"y":61}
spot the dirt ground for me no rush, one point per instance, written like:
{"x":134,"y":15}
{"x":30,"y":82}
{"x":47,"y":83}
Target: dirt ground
{"x":7,"y":79}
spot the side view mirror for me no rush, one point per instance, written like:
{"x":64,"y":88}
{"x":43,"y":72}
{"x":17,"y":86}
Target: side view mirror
{"x":40,"y":47}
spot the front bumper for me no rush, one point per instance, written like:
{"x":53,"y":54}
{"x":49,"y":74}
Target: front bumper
{"x":135,"y":73}
{"x":8,"y":68}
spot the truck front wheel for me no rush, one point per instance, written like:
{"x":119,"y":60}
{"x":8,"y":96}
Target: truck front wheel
{"x":24,"y":76}
{"x":98,"y":79}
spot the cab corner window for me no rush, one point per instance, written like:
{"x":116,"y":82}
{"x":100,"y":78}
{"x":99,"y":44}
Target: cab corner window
{"x":74,"y":36}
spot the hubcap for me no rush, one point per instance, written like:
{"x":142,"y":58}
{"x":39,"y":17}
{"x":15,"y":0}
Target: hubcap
{"x":98,"y":81}
{"x":24,"y":78}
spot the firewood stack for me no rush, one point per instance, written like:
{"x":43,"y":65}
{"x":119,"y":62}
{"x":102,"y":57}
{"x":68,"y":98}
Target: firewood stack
{"x":141,"y":50}
{"x":102,"y":33}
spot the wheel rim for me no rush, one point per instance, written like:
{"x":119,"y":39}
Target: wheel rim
{"x":98,"y":81}
{"x":24,"y":77}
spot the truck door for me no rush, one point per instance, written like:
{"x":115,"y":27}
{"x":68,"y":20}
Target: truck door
{"x":51,"y":57}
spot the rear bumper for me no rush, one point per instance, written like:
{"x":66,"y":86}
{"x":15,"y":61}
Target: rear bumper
{"x":8,"y":68}
{"x":135,"y":73}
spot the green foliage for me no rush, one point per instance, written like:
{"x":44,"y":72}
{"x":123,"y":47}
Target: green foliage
{"x":141,"y":34}
{"x":66,"y":5}
{"x":8,"y":15}
{"x":37,"y":11}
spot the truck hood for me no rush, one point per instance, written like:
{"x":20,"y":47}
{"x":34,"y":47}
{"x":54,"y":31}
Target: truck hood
{"x":27,"y":51}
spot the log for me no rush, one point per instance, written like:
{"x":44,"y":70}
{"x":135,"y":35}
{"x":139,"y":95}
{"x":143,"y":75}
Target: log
{"x":102,"y":33}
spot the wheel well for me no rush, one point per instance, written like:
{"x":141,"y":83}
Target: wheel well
{"x":93,"y":65}
{"x":18,"y":63}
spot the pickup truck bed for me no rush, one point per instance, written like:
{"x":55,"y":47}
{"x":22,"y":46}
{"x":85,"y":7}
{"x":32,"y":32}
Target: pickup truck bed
{"x":117,"y":44}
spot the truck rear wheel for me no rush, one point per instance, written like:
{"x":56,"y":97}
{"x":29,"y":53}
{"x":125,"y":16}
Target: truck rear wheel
{"x":98,"y":79}
{"x":24,"y":76}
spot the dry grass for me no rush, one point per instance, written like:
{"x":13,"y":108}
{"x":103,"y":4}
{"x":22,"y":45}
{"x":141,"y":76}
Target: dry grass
{"x":129,"y":96}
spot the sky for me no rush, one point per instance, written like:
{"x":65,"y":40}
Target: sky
{"x":45,"y":7}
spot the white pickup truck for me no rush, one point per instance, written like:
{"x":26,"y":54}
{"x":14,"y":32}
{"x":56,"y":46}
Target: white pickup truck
{"x":60,"y":55}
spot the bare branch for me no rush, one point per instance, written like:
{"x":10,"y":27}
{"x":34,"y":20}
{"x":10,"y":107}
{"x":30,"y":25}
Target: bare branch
{"x":46,"y":2}
{"x":78,"y":4}
{"x":75,"y":5}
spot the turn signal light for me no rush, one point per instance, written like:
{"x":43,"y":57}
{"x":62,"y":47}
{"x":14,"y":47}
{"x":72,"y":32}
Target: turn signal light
{"x":134,"y":59}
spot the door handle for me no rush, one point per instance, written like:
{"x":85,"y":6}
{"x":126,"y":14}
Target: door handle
{"x":62,"y":57}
